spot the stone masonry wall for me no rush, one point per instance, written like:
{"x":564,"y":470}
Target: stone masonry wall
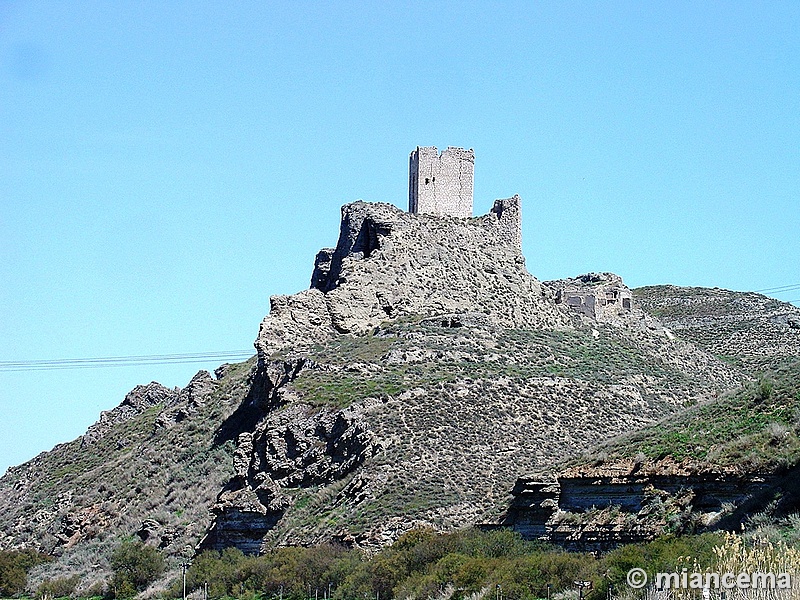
{"x":441,"y":184}
{"x":601,"y":296}
{"x":509,"y":219}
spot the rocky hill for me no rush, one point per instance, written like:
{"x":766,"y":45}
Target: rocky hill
{"x":423,"y":371}
{"x":725,"y":462}
{"x":744,"y":328}
{"x":147,"y":468}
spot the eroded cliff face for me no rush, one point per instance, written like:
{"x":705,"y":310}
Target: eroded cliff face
{"x":288,"y":446}
{"x":389,"y":264}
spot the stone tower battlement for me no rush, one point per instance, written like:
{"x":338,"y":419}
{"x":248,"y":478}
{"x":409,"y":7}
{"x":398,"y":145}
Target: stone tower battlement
{"x":441,"y":184}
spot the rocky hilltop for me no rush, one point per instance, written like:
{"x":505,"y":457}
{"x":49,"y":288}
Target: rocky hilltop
{"x":423,"y":371}
{"x":389,"y":264}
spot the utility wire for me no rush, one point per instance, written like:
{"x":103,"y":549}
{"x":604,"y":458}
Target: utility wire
{"x":781,"y":288}
{"x":162,"y":359}
{"x":121,"y":361}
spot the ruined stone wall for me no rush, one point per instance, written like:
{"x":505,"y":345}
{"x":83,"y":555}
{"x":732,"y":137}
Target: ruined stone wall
{"x":441,"y":184}
{"x":388,"y":264}
{"x":509,"y":220}
{"x":601,"y":296}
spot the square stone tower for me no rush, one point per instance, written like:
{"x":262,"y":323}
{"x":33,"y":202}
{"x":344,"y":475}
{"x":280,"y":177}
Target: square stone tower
{"x":441,"y":184}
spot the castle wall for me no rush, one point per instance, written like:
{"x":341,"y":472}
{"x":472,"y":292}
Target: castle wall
{"x":601,"y":296}
{"x":509,"y":220}
{"x":441,"y":184}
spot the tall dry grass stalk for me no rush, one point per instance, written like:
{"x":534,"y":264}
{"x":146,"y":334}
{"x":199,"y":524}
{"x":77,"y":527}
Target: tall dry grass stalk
{"x":736,"y":556}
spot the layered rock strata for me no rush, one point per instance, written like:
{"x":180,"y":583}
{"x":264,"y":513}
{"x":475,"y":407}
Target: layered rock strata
{"x":600,"y":508}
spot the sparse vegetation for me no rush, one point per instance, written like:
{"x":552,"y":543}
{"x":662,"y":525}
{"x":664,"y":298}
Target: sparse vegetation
{"x":752,"y":429}
{"x":58,"y":587}
{"x":744,"y":329}
{"x":423,"y":355}
{"x":90,"y":493}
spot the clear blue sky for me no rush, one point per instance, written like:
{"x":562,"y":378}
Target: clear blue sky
{"x":167,"y":166}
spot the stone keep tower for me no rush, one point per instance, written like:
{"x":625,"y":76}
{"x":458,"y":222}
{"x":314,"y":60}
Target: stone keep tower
{"x":441,"y":184}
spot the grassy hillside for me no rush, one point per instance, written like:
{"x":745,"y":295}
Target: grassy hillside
{"x":746,"y":329}
{"x":753,"y":429}
{"x":461,"y":412}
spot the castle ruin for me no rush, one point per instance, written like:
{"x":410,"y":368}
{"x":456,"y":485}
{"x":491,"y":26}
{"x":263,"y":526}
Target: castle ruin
{"x":601,"y":296}
{"x":441,"y":184}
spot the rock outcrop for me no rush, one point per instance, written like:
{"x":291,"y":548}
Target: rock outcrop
{"x":188,"y":401}
{"x":290,"y":449}
{"x":389,"y":264}
{"x":137,"y":401}
{"x":597,"y":508}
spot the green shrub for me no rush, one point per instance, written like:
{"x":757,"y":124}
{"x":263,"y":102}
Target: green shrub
{"x":764,"y":389}
{"x":14,"y":567}
{"x":135,"y":566}
{"x":60,"y":587}
{"x":287,"y":572}
{"x":667,"y":554}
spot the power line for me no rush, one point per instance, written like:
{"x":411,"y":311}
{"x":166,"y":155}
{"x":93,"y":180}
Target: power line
{"x":781,"y":288}
{"x":161,"y":359}
{"x":121,"y":361}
